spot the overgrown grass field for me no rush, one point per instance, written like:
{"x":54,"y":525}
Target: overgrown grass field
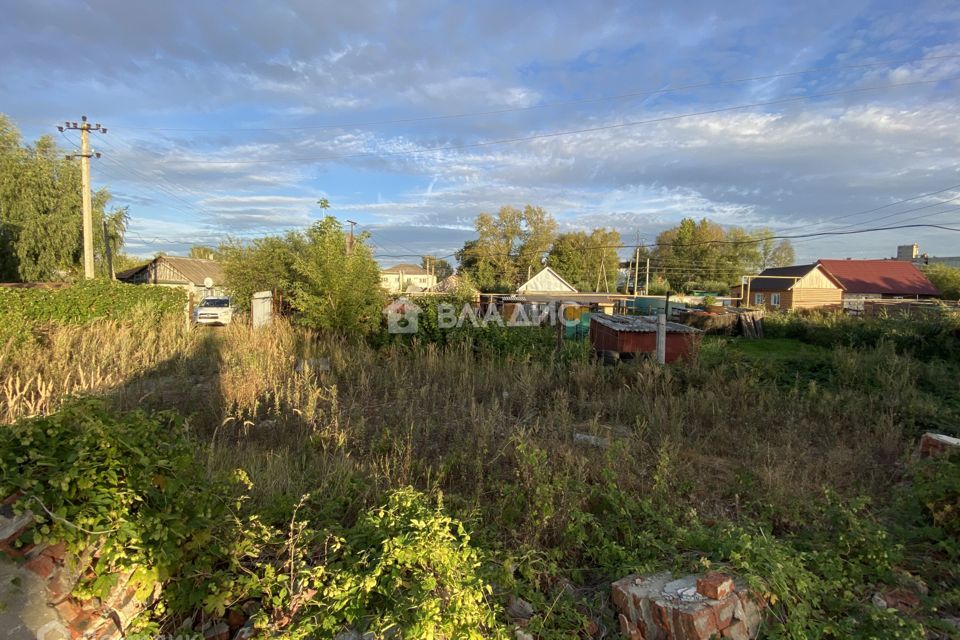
{"x":417,"y":486}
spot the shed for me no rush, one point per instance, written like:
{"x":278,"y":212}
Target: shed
{"x":638,"y":334}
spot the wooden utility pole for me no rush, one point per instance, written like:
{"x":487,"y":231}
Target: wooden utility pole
{"x":108,"y":250}
{"x":636,"y":273}
{"x":85,"y":128}
{"x":350,"y":241}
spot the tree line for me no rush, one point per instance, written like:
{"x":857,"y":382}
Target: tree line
{"x":41,"y":221}
{"x":514,"y":244}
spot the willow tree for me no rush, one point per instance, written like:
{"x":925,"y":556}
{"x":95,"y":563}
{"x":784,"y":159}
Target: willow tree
{"x":41,"y":223}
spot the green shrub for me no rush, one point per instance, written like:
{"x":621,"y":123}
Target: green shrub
{"x":946,"y":279}
{"x":25,"y":312}
{"x":131,"y":485}
{"x":407,"y":567}
{"x":936,"y":336}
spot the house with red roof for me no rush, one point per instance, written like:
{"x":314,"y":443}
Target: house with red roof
{"x":877,"y":279}
{"x":833,"y":283}
{"x":802,"y":286}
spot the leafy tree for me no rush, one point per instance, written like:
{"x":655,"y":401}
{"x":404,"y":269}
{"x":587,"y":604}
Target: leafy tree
{"x":690,"y":251}
{"x":658,"y":285}
{"x":946,"y":279}
{"x":538,"y":232}
{"x":578,"y":258}
{"x":569,"y":258}
{"x":265,"y":264}
{"x":771,"y":253}
{"x":312,"y":272}
{"x":203,"y":252}
{"x":41,"y":225}
{"x":704,"y":255}
{"x":441,"y":268}
{"x":334,"y":289}
{"x":508,"y":246}
{"x":124,"y":262}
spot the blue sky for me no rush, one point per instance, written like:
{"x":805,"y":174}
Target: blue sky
{"x":232,"y":119}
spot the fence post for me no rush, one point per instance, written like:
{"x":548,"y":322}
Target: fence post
{"x":662,"y":338}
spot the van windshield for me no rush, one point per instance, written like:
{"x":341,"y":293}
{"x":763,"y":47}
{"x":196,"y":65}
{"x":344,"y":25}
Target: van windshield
{"x":215,"y":302}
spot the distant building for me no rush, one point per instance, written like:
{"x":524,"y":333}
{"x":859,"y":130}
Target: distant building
{"x":802,"y":286}
{"x":404,"y":278}
{"x":908,"y":251}
{"x":878,"y":279}
{"x":199,"y":277}
{"x":911,"y":253}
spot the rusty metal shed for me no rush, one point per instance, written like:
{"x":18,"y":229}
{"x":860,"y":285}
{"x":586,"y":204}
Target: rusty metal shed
{"x":638,"y":334}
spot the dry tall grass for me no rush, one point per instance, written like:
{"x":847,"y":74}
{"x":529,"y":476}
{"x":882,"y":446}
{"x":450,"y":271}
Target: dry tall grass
{"x":442,"y":418}
{"x":70,"y":360}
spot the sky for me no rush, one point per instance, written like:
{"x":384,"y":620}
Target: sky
{"x":231,"y":119}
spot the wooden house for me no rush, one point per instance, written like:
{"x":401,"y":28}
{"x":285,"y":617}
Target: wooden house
{"x":200,"y":277}
{"x":782,"y":288}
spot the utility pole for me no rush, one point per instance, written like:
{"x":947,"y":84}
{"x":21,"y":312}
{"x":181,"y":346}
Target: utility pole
{"x":85,"y":128}
{"x":108,"y":251}
{"x":636,"y":272}
{"x":646,"y":289}
{"x":350,"y":241}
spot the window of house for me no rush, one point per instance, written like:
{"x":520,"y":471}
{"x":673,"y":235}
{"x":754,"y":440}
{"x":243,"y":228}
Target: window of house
{"x":758,"y":298}
{"x":774,"y":299}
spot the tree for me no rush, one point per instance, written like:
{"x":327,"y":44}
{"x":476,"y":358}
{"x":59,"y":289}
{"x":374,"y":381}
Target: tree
{"x":569,"y":258}
{"x":946,"y":279}
{"x":41,"y":228}
{"x":538,"y":230}
{"x":441,"y":268}
{"x":203,"y":252}
{"x":334,"y":289}
{"x":771,"y":253}
{"x":508,"y":247}
{"x":588,"y":262}
{"x":704,"y":255}
{"x":265,"y":264}
{"x":691,"y":252}
{"x":328,"y":288}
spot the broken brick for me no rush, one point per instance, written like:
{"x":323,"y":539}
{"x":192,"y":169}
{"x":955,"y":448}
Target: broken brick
{"x":41,"y":565}
{"x":736,"y":631}
{"x":715,"y":586}
{"x":659,"y":607}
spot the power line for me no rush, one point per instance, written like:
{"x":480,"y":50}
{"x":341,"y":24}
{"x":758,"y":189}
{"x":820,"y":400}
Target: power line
{"x":722,"y":242}
{"x":565,"y":103}
{"x":557,"y":134}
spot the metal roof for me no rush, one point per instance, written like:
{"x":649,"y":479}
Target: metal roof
{"x":780,"y":283}
{"x":639,"y":324}
{"x":890,"y":277}
{"x":194,"y":270}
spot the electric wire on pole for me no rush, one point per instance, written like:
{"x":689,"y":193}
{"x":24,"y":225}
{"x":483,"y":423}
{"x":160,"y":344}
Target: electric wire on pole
{"x":85,"y":128}
{"x":350,"y":241}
